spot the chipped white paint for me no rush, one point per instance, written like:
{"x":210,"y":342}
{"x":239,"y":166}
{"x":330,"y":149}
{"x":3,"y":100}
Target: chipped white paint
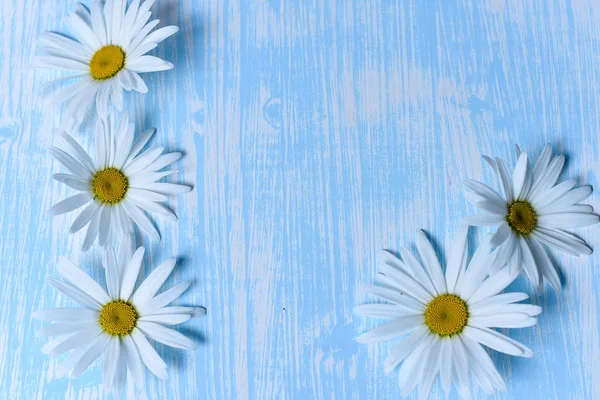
{"x":316,"y":133}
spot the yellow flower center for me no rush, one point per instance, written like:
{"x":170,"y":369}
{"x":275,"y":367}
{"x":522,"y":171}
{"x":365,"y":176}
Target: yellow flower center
{"x":110,"y":185}
{"x":107,"y":62}
{"x":521,"y":217}
{"x":446,"y":315}
{"x":118,"y":318}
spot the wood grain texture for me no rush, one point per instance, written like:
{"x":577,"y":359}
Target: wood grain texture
{"x":315,"y":134}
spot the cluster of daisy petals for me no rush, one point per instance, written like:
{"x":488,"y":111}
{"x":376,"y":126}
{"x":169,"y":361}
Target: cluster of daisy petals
{"x":117,"y":186}
{"x":446,"y":317}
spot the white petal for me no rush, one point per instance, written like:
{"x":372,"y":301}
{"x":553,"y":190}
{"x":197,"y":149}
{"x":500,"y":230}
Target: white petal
{"x":479,"y":310}
{"x":484,"y":191}
{"x":117,"y":95}
{"x":406,"y":283}
{"x":69,"y":162}
{"x":126,"y":250}
{"x":566,"y":200}
{"x":59,"y":329}
{"x":410,"y":368}
{"x":63,"y":46}
{"x":164,"y":298}
{"x":163,"y":161}
{"x":531,"y":267}
{"x":66,"y":64}
{"x":431,"y":262}
{"x":484,"y":219}
{"x":105,"y":222}
{"x":137,"y":83}
{"x":461,"y":364}
{"x":141,"y":219}
{"x":403,"y":349}
{"x":553,"y":194}
{"x":500,"y":299}
{"x":112,"y":272}
{"x":77,"y":152}
{"x":90,"y":355}
{"x":73,"y":181}
{"x":430,"y":371}
{"x":75,"y":294}
{"x":503,"y":253}
{"x":546,"y":266}
{"x":548,"y":179}
{"x":166,"y":335}
{"x":541,"y":164}
{"x":83,"y":32}
{"x":476,"y":271}
{"x":492,"y":208}
{"x":392,"y":329}
{"x":150,"y":357}
{"x":66,"y":315}
{"x":501,"y":235}
{"x":414,"y":269}
{"x":161,"y":34}
{"x":561,"y":240}
{"x":497,"y":341}
{"x":149,"y":64}
{"x":138,"y":194}
{"x":131,"y":272}
{"x":505,"y":181}
{"x":84,"y":217}
{"x":193,"y":311}
{"x":98,"y":22}
{"x":155,"y":208}
{"x":142,"y":31}
{"x":446,"y":360}
{"x":567,"y":220}
{"x":520,"y":176}
{"x":139,"y":144}
{"x":457,"y":260}
{"x":69,"y":204}
{"x":74,"y":275}
{"x":384,"y":311}
{"x":70,"y":361}
{"x":142,"y":161}
{"x":77,"y":339}
{"x":502,"y":320}
{"x":111,"y":360}
{"x":153,"y":282}
{"x":406,"y":302}
{"x":92,"y":231}
{"x":167,"y":319}
{"x":492,"y":285}
{"x":482,"y":361}
{"x":134,"y":362}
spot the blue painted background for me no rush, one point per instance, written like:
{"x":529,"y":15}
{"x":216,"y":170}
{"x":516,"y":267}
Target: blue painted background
{"x":315,"y":134}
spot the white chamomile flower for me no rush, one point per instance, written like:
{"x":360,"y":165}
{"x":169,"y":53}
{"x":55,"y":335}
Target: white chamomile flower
{"x":118,"y":185}
{"x":106,"y":57}
{"x":534,"y":211}
{"x":116,"y":322}
{"x":447,"y":318}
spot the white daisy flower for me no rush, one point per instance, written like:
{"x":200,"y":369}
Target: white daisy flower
{"x":116,"y":322}
{"x":534,"y":211}
{"x":106,"y":57}
{"x":447,"y":318}
{"x":117,"y":185}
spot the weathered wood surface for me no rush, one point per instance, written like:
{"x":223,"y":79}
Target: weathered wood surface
{"x":315,"y":133}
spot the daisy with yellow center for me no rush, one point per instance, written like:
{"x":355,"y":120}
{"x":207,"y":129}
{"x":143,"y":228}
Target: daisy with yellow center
{"x":116,"y":322}
{"x":118,"y":186}
{"x":533,"y":212}
{"x":105,"y":57}
{"x":445,"y":318}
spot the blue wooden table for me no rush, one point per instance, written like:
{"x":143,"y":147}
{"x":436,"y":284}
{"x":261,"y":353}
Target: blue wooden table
{"x":315,"y":134}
